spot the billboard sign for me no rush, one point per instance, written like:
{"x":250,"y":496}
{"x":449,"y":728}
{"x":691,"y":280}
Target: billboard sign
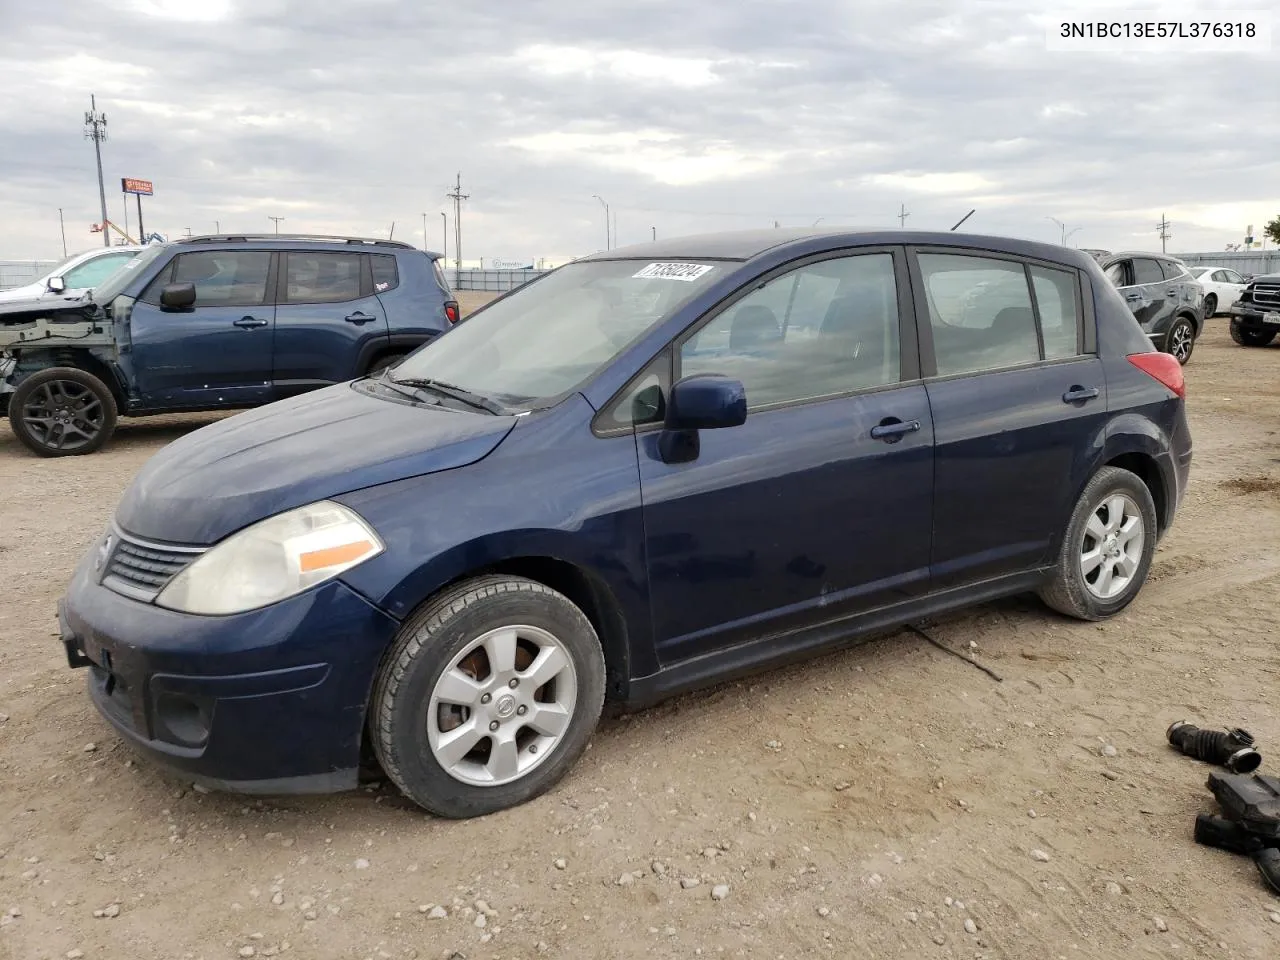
{"x":140,"y":187}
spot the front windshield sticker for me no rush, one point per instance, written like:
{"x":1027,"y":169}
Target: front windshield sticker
{"x":688,"y":272}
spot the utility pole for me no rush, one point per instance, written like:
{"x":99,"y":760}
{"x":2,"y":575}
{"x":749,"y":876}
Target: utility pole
{"x":125,"y":201}
{"x":188,"y":229}
{"x":217,"y":226}
{"x":63,"y":226}
{"x":655,"y":232}
{"x":444,"y":237}
{"x":276,"y":221}
{"x":1163,"y":226}
{"x":424,"y":231}
{"x":606,"y":219}
{"x":95,"y":129}
{"x":458,"y":196}
{"x":902,"y":215}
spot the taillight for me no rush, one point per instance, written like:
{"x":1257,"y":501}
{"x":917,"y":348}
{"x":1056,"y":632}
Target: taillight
{"x":451,"y":311}
{"x":1163,"y":367}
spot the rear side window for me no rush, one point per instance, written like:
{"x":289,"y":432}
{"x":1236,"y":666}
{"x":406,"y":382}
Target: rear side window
{"x":321,"y":277}
{"x":1146,"y":271}
{"x":1057,"y":299}
{"x":440,"y":277}
{"x":386,"y":275}
{"x":224,"y":278}
{"x":980,"y":312}
{"x":1173,"y":270}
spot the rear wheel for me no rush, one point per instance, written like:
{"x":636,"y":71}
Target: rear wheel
{"x":1210,"y":305}
{"x":487,"y":697}
{"x":1181,"y":339}
{"x":1251,"y":338}
{"x":1107,"y":549}
{"x":382,"y":363}
{"x":62,"y":412}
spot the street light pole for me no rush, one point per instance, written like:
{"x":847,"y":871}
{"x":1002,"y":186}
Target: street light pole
{"x":606,"y":219}
{"x":1062,"y":230}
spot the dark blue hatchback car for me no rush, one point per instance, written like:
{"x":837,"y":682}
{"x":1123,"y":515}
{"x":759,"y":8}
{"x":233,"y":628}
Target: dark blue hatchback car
{"x":649,"y":470}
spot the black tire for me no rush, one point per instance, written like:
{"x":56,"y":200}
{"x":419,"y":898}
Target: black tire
{"x":1251,"y":338}
{"x":62,"y":412}
{"x":1210,"y":305}
{"x":382,"y":363}
{"x":427,"y":645}
{"x":1180,"y":340}
{"x":1070,"y":591}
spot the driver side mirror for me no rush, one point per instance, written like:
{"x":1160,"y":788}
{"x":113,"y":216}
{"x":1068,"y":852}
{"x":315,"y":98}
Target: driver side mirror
{"x":699,"y":402}
{"x":178,"y":296}
{"x":57,"y":285}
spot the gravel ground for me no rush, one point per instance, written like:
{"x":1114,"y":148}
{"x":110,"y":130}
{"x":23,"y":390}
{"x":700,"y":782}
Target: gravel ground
{"x":886,"y":801}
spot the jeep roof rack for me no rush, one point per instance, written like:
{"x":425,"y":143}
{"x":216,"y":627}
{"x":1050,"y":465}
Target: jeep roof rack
{"x":315,"y":237}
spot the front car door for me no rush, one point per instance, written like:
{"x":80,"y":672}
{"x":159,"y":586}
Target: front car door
{"x":818,"y":507}
{"x":328,"y":319}
{"x":1019,"y":401}
{"x":217,"y":353}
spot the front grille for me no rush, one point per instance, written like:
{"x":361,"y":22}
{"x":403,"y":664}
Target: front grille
{"x":141,"y":569}
{"x":1268,"y":296}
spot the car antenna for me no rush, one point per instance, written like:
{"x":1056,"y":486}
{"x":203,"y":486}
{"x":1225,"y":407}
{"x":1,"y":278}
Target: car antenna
{"x":965,"y":217}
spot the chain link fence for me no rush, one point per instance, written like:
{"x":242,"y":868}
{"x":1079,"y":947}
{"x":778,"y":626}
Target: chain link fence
{"x":492,"y":281}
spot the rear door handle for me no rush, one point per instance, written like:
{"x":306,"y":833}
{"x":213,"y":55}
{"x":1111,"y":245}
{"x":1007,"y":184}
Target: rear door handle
{"x":359,"y":318}
{"x":1079,"y":394}
{"x":892,"y":430}
{"x":249,"y":322}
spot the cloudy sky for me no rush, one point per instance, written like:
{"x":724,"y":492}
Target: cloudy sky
{"x":349,"y":115}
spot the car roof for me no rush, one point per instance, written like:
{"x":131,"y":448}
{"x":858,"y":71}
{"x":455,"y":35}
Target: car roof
{"x":296,"y":240}
{"x":743,"y":245}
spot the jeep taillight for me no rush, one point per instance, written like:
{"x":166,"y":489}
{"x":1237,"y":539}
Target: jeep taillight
{"x":451,"y":311}
{"x":1163,"y":367}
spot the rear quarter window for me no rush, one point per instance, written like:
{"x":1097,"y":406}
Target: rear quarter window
{"x":386,"y":272}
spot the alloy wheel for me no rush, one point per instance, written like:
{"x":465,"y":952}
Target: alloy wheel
{"x":1111,"y":550}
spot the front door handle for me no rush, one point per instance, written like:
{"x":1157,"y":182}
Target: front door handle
{"x":248,"y":323}
{"x":360,"y":318}
{"x":891,"y":429}
{"x":1079,"y":394}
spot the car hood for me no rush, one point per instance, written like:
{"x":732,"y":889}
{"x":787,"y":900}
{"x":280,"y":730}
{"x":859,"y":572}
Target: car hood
{"x":230,"y":474}
{"x":17,"y":310}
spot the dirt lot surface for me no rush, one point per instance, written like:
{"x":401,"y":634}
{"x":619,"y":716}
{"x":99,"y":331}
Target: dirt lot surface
{"x":887,"y":801}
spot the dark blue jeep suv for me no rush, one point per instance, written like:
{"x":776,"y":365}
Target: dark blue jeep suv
{"x":643,"y":472}
{"x":214,"y":323}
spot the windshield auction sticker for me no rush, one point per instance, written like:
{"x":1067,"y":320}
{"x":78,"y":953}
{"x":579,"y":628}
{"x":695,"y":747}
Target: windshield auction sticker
{"x":687,"y":272}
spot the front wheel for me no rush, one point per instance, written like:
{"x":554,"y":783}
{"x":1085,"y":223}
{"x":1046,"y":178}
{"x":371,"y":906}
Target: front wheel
{"x":487,"y":697}
{"x":1251,"y":338}
{"x":1180,"y":340}
{"x":62,"y":412}
{"x":1106,"y":552}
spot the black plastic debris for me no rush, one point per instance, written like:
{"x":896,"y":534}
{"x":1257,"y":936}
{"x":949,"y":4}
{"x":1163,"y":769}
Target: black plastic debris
{"x":1232,"y":748}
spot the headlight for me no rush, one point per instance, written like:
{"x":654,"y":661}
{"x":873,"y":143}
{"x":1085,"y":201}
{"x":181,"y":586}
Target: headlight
{"x":272,"y":560}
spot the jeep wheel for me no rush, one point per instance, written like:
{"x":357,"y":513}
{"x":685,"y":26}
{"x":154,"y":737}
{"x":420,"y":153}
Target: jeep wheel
{"x":487,"y":697}
{"x":1107,"y":549}
{"x":1251,"y":338}
{"x":62,"y":412}
{"x":382,"y":363}
{"x":1210,"y":305}
{"x":1181,"y":339}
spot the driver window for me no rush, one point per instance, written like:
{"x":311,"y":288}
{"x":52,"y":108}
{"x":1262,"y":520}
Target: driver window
{"x":826,"y":329}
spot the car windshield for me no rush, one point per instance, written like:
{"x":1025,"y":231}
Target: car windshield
{"x":547,"y":338}
{"x":114,"y":285}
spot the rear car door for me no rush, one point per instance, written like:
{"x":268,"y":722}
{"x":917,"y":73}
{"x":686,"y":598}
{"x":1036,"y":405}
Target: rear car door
{"x":818,"y":507}
{"x":1150,"y":297}
{"x":329,"y":321}
{"x":216,"y":353}
{"x":1018,"y":395}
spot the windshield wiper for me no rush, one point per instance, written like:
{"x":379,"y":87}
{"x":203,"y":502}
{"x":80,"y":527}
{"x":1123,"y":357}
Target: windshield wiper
{"x":453,"y":391}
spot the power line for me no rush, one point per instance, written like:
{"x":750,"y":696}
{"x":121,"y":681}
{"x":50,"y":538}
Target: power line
{"x":457,"y":196}
{"x":95,"y":129}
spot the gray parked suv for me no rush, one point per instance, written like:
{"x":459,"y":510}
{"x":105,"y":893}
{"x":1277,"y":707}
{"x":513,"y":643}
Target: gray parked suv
{"x":1166,"y":299}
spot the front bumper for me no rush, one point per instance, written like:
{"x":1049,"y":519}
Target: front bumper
{"x":271,"y":701}
{"x":1255,"y":318}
